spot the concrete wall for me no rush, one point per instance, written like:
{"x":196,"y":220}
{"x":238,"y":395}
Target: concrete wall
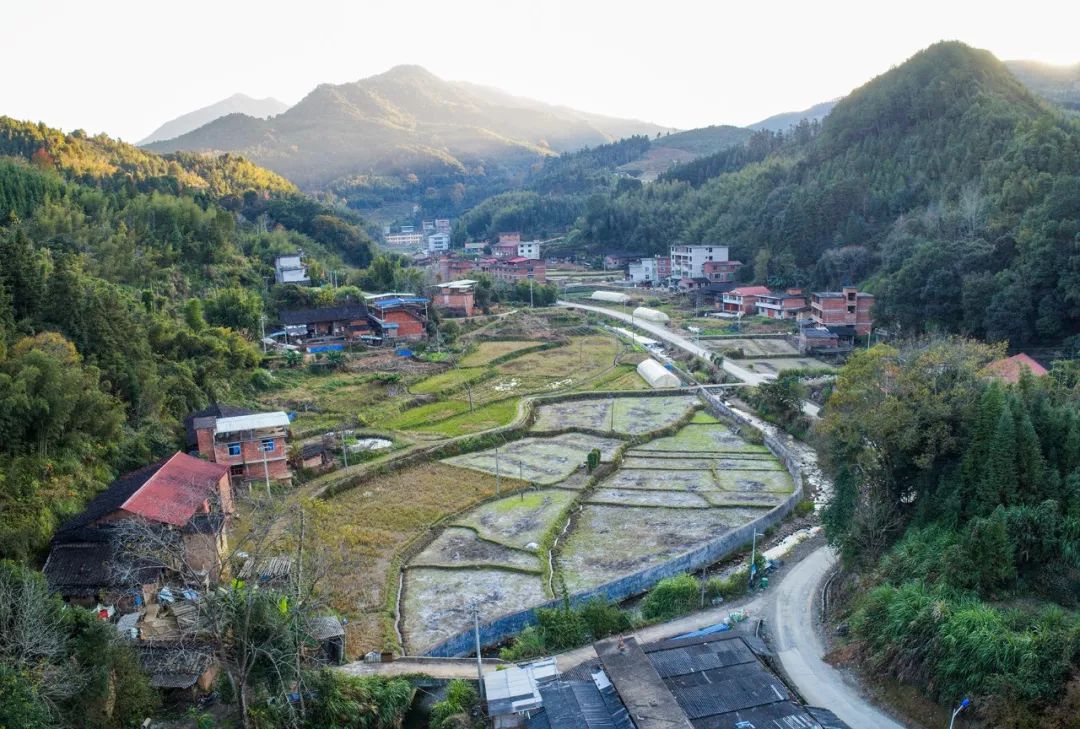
{"x":505,"y":627}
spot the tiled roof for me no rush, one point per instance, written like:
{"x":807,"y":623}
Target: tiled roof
{"x":347,"y":312}
{"x":1010,"y":368}
{"x":751,"y":291}
{"x":169,"y":491}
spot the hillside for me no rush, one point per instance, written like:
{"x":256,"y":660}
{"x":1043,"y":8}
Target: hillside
{"x":403,"y":127}
{"x":235,"y":104}
{"x":943,"y":184}
{"x":671,"y":149}
{"x":1059,"y":84}
{"x":131,"y":289}
{"x":783,"y":122}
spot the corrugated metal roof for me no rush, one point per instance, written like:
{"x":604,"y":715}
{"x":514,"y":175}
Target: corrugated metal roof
{"x":256,"y":421}
{"x":177,"y":490}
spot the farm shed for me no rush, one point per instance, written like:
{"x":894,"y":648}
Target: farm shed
{"x":613,"y":297}
{"x":643,"y":312}
{"x":654,"y":373}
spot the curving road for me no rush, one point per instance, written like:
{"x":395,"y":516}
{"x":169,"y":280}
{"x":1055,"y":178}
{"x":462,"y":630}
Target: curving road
{"x":791,"y":620}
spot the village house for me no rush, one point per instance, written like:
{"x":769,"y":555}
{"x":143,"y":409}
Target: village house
{"x":788,"y":304}
{"x":719,"y":271}
{"x":848,"y":307}
{"x":692,"y":284}
{"x":253,"y":446}
{"x":518,"y":268}
{"x":689,"y":261}
{"x":398,"y":316}
{"x":1010,"y":369}
{"x":322,"y":328}
{"x":438,"y":242}
{"x":456,"y":298}
{"x":181,"y":493}
{"x":291,"y":270}
{"x":819,"y":340}
{"x":615,"y":260}
{"x":742,"y":301}
{"x":650,"y":271}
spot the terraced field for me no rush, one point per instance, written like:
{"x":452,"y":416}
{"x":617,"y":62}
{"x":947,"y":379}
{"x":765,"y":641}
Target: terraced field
{"x":667,"y":497}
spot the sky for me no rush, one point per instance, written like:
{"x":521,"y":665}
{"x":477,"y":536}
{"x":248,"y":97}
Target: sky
{"x":126,"y":67}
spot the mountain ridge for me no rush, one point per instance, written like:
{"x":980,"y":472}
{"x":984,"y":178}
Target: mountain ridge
{"x":236,"y":104}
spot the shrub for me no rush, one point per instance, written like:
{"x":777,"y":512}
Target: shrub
{"x":529,"y":643}
{"x":456,"y":710}
{"x":672,"y":597}
{"x":603,"y":618}
{"x":562,"y":628}
{"x":804,"y":508}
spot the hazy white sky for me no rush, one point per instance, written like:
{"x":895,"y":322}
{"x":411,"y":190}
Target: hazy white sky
{"x":125,"y":67}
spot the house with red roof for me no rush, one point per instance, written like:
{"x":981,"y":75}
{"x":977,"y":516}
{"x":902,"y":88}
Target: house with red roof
{"x":181,"y":494}
{"x":743,"y":300}
{"x":1010,"y":369}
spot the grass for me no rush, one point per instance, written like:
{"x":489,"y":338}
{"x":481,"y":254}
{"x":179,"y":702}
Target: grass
{"x":518,"y":520}
{"x":578,"y":360}
{"x":448,"y":381}
{"x":359,"y":531}
{"x":425,"y":415}
{"x":622,"y":377}
{"x":538,"y":460}
{"x":488,"y":351}
{"x":704,"y":438}
{"x":492,"y":415}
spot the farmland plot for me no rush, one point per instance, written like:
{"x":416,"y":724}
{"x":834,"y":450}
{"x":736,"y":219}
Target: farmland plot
{"x":437,"y":601}
{"x":518,"y":521}
{"x":460,"y":547}
{"x":704,"y":438}
{"x":486,"y":352}
{"x":543,"y":461}
{"x":632,"y":416}
{"x":608,"y":541}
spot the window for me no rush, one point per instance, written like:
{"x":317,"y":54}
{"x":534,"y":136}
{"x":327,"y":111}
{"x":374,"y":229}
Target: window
{"x":234,"y":449}
{"x":267,"y":445}
{"x":236,"y":471}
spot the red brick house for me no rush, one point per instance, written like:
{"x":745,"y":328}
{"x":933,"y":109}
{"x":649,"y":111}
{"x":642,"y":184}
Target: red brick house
{"x":456,"y":298}
{"x":518,"y":268}
{"x":848,"y":307}
{"x":719,"y":271}
{"x":742,"y":300}
{"x":253,"y":447}
{"x":787,"y":304}
{"x":399,"y":316}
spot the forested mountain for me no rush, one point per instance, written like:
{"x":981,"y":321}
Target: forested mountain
{"x":392,"y":137}
{"x":783,"y":122}
{"x":944,"y":186}
{"x":131,"y":288}
{"x":1059,"y":84}
{"x":235,"y":104}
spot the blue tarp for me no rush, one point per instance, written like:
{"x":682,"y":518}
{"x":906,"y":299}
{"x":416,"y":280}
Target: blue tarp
{"x":718,"y":628}
{"x":403,"y":352}
{"x":399,"y":301}
{"x":326,"y":348}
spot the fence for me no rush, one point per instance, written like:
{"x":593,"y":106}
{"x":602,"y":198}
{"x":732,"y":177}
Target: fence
{"x":502,"y":628}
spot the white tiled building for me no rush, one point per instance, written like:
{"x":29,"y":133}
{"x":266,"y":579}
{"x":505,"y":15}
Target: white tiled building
{"x":688,"y":261}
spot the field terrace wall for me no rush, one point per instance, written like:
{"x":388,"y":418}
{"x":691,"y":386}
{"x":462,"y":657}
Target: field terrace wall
{"x":502,"y":629}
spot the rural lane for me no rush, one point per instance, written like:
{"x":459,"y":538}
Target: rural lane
{"x":790,"y":619}
{"x":675,"y":339}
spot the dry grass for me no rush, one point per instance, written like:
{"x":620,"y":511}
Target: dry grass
{"x":360,"y":531}
{"x":488,"y":351}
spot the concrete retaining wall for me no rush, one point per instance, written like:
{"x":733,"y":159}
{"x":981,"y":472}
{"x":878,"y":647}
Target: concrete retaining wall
{"x":503,"y":628}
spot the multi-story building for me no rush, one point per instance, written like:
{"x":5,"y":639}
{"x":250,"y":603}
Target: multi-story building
{"x":290,"y":269}
{"x":475,"y":246}
{"x":789,"y":304}
{"x":442,"y":225}
{"x":252,"y":446}
{"x":650,"y":271}
{"x":456,"y":298}
{"x":689,"y":261}
{"x":529,"y":249}
{"x":720,"y":271}
{"x":398,"y":316}
{"x":428,"y":226}
{"x":508,"y":249}
{"x":515,"y":269}
{"x":846,"y":308}
{"x":438,"y":242}
{"x":404,"y":239}
{"x":742,"y":301}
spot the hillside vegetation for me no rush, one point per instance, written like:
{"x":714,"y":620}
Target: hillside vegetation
{"x":131,"y":288}
{"x":958,"y":503}
{"x":944,"y":186}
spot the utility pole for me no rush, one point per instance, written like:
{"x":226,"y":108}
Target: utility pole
{"x":479,"y":659}
{"x":498,"y":478}
{"x":299,"y":583}
{"x":262,"y":331}
{"x":266,"y":469}
{"x":344,"y":448}
{"x":753,"y":557}
{"x":468,"y":389}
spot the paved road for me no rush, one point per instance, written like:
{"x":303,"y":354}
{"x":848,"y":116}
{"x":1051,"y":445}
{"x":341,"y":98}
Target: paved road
{"x":674,"y":338}
{"x":791,"y":618}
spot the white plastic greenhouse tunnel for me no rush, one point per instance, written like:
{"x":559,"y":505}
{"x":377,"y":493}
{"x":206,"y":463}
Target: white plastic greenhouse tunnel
{"x":659,"y":317}
{"x":656,"y":375}
{"x":613,"y":297}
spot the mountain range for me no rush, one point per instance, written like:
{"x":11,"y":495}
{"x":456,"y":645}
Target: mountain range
{"x":235,"y":104}
{"x":406,"y":121}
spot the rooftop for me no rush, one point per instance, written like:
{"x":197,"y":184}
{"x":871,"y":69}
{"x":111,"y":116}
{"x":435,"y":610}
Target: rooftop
{"x":254,"y":421}
{"x":750,"y":291}
{"x":169,"y":491}
{"x":345,"y":312}
{"x":214,"y":411}
{"x":1009,"y":369}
